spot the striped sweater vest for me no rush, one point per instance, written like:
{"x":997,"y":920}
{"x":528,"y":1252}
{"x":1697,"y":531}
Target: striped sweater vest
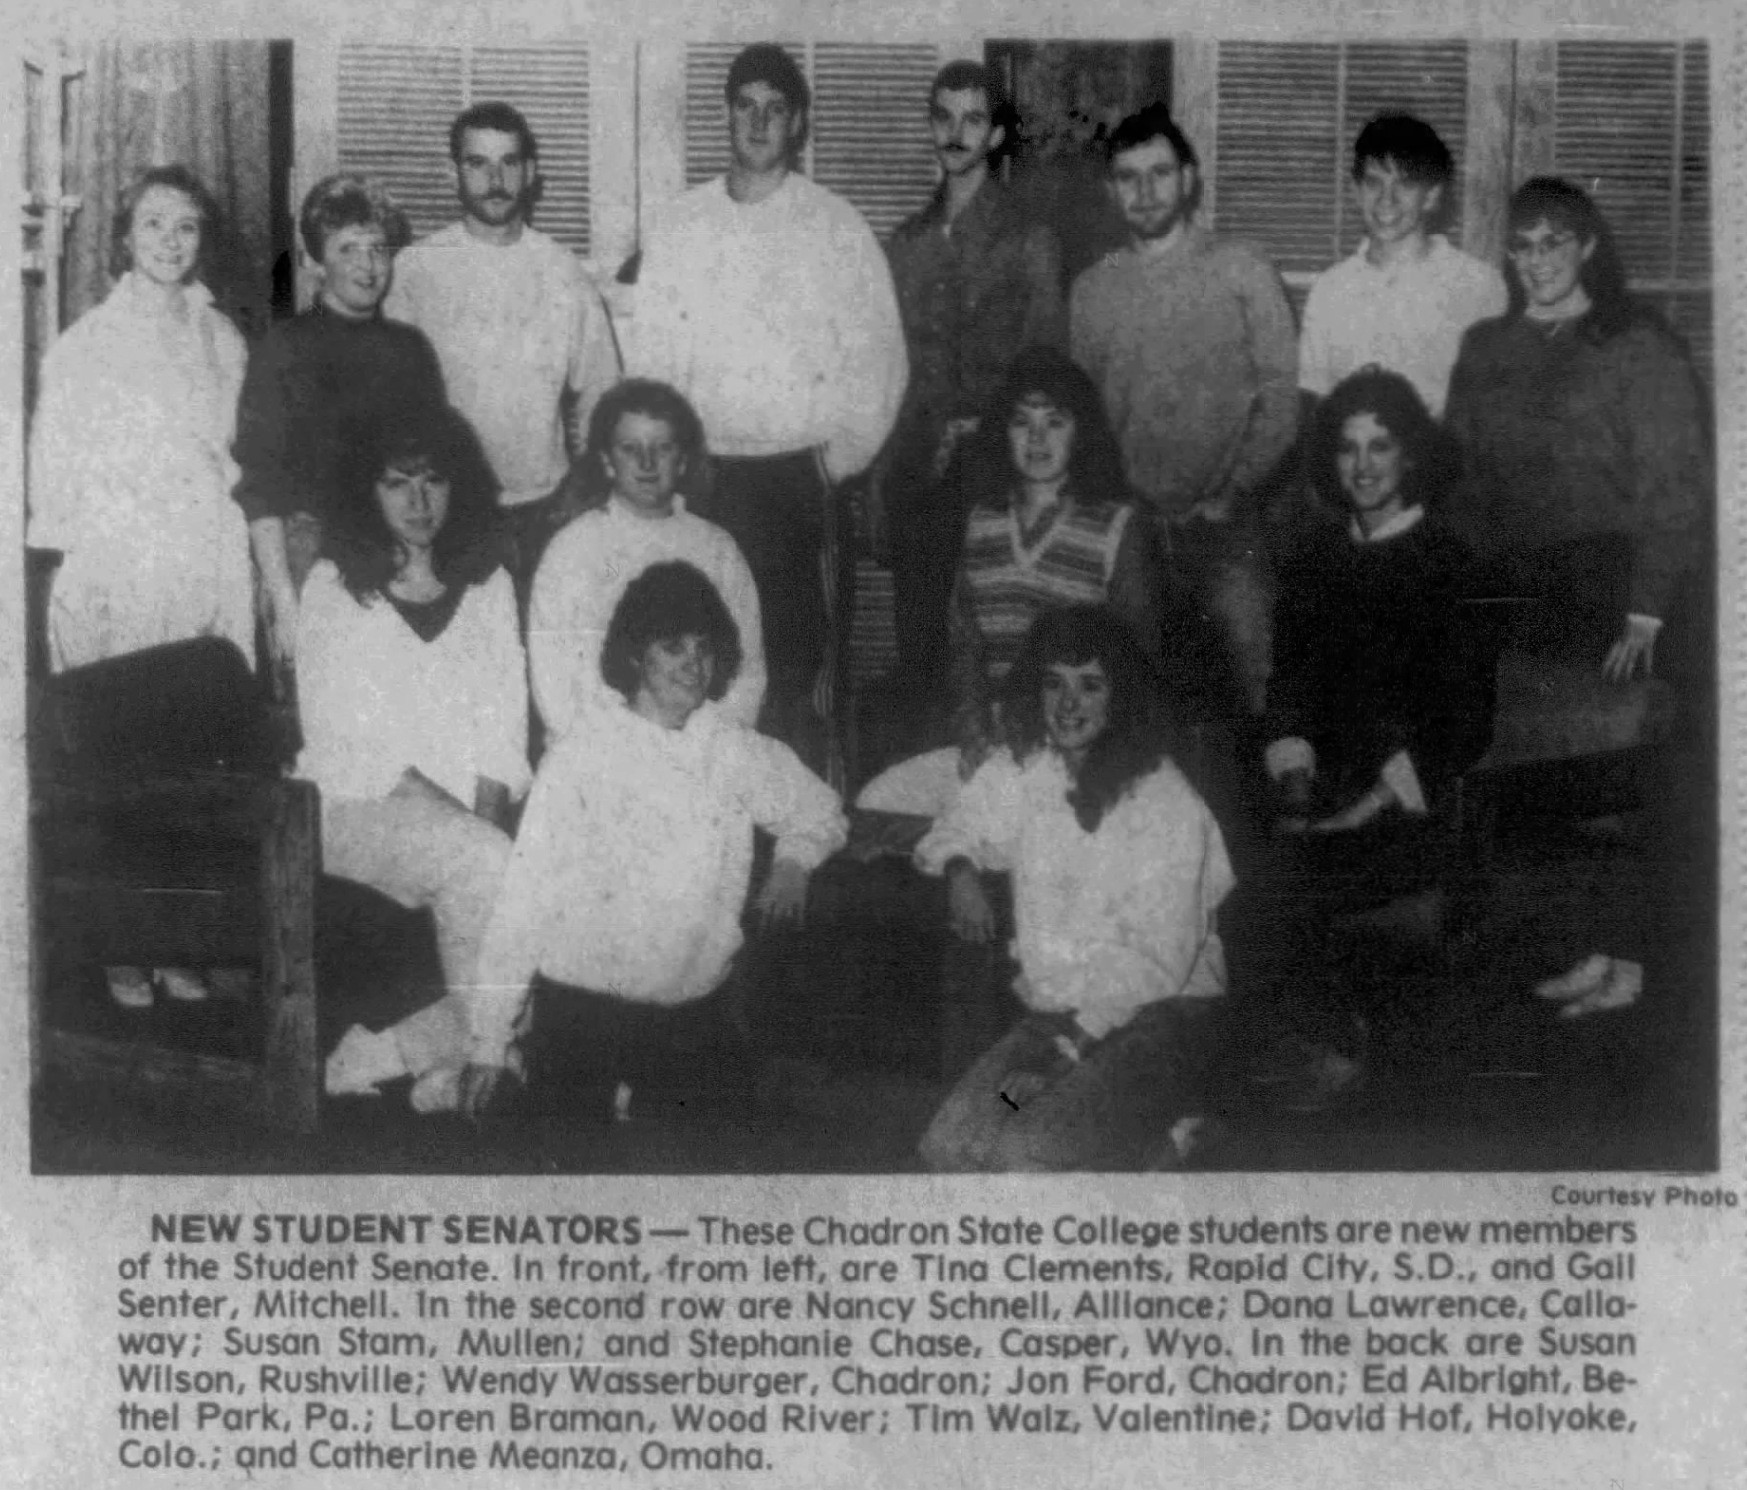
{"x":1010,"y":584}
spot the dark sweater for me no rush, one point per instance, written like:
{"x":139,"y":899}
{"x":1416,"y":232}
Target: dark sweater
{"x":1565,"y":437}
{"x":311,"y":385}
{"x":1374,"y":654}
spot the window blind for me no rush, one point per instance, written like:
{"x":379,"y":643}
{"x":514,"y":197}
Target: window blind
{"x":1632,"y":127}
{"x":869,"y":138}
{"x":1288,"y":113}
{"x":396,"y":103}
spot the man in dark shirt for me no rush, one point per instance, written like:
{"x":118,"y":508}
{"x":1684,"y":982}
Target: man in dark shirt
{"x":316,"y":380}
{"x":977,"y":281}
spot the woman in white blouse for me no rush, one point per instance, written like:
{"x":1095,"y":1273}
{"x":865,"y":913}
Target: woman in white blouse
{"x":412,"y":689}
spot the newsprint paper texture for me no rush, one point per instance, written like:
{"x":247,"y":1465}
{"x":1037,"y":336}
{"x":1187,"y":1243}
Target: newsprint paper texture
{"x":1400,"y":1329}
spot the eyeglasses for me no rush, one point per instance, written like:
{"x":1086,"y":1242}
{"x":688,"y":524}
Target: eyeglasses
{"x":1550,"y":247}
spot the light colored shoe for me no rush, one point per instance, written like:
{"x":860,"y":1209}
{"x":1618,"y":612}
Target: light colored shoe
{"x":1620,"y":989}
{"x":361,"y":1062}
{"x":184,"y":985}
{"x":130,"y":987}
{"x":1587,"y":976}
{"x":438,"y":1090}
{"x":622,"y":1102}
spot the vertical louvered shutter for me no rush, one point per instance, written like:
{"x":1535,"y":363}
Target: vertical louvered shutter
{"x":1632,"y":127}
{"x":1288,"y":113}
{"x":396,"y":104}
{"x":869,"y":139}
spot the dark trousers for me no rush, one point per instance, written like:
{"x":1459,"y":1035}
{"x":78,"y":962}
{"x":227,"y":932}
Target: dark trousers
{"x":782,"y":511}
{"x":679,"y":1057}
{"x":926,"y":523}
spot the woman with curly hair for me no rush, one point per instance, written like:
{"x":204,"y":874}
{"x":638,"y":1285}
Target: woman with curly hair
{"x":1118,"y":870}
{"x":414,"y":704}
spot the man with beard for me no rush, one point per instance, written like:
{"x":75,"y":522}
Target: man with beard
{"x":977,"y":279}
{"x":516,"y":324}
{"x":764,"y":298}
{"x":1190,"y":339}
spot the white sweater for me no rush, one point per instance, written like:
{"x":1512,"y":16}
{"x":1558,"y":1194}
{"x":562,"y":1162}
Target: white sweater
{"x":1105,"y":922}
{"x":777,"y":320}
{"x":374,"y":699}
{"x":631,"y":869}
{"x":514,"y":325}
{"x":582,"y":578}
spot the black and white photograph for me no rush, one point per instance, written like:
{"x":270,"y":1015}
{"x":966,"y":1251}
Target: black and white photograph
{"x":760,"y":742}
{"x":804,"y":606}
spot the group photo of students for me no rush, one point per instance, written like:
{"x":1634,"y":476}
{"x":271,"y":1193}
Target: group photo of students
{"x":1219,"y":793}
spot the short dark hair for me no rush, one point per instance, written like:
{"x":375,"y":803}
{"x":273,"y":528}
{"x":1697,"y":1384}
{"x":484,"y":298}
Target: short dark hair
{"x":1095,"y":465}
{"x":177,"y":178}
{"x":1137,"y":738}
{"x":668,"y":600}
{"x":1394,"y":403}
{"x":349,"y":200}
{"x":766,"y":62}
{"x":357,"y":537}
{"x":961,"y":76}
{"x":1407,"y":142}
{"x":493,"y":114}
{"x":654,"y":400}
{"x":1569,"y":208}
{"x":1154,"y":122}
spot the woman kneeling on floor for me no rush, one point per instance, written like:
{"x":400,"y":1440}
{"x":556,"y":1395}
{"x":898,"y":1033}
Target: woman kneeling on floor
{"x":412,"y":696}
{"x":1118,"y":868}
{"x":620,"y":913}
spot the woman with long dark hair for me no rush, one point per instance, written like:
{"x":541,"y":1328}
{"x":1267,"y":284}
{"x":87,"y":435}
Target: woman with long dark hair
{"x":413,"y":698}
{"x":1053,"y":524}
{"x":1118,"y":869}
{"x":1582,"y":428}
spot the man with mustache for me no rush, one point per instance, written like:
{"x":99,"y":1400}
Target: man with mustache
{"x":977,"y":279}
{"x":518,"y":328}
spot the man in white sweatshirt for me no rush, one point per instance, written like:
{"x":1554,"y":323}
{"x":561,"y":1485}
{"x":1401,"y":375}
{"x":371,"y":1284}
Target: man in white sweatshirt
{"x":765,"y":299}
{"x":518,"y":328}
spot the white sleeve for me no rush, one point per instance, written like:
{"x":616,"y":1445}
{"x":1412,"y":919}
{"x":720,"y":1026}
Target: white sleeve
{"x":871,"y":363}
{"x":789,"y":802}
{"x":552,"y":660}
{"x":745,"y":697}
{"x":1162,"y":922}
{"x":501,"y":721}
{"x":659,"y":345}
{"x":65,"y":439}
{"x":1315,"y":375}
{"x":982,"y":825}
{"x":594,"y":350}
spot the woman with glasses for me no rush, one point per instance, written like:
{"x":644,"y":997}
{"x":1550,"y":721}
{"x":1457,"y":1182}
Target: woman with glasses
{"x":1588,"y":485}
{"x":1582,"y":428}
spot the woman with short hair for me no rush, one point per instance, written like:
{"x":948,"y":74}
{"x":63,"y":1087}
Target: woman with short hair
{"x":620,"y":915}
{"x":130,"y":466}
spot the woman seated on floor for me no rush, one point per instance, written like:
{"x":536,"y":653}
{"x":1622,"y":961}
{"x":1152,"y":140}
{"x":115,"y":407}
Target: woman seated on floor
{"x":621,"y":909}
{"x":1118,"y":869}
{"x":645,"y":449}
{"x":412,"y":694}
{"x":1054,"y":526}
{"x":1382,"y":688}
